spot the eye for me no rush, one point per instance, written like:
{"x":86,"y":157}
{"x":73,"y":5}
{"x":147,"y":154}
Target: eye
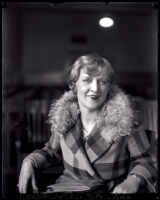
{"x":103,"y":81}
{"x":87,"y":80}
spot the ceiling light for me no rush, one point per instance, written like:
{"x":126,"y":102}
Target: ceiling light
{"x":106,"y":22}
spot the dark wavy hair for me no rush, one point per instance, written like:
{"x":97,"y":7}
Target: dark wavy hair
{"x":93,"y":64}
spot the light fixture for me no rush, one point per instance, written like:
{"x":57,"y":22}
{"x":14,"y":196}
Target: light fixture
{"x":106,"y":22}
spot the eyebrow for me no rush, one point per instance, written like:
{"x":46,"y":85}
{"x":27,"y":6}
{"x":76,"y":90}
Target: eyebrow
{"x":86,"y":75}
{"x":89,"y":76}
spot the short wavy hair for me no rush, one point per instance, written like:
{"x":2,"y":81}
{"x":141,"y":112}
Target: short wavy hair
{"x":93,"y":64}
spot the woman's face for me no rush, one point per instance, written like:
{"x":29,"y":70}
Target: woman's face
{"x":92,"y":90}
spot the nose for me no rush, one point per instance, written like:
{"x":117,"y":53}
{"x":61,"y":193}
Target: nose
{"x":94,"y":86}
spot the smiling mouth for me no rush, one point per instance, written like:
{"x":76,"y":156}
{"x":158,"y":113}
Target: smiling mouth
{"x":94,"y":97}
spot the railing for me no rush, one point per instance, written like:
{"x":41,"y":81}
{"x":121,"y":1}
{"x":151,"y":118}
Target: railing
{"x":36,"y":116}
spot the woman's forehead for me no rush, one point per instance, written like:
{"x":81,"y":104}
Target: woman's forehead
{"x":102,"y":71}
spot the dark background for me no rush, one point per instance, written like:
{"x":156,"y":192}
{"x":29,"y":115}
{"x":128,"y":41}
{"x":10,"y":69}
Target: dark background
{"x":40,"y":41}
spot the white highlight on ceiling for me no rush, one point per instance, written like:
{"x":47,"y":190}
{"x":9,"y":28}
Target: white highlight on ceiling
{"x":106,"y":22}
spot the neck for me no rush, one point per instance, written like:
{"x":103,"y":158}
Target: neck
{"x":89,"y":116}
{"x":88,"y":119}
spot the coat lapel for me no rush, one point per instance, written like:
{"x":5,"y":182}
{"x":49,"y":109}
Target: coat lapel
{"x":96,"y":144}
{"x":74,"y":137}
{"x":75,"y":143}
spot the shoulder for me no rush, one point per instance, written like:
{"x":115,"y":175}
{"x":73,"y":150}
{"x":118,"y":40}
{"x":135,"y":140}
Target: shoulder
{"x":63,"y":113}
{"x":118,"y":115}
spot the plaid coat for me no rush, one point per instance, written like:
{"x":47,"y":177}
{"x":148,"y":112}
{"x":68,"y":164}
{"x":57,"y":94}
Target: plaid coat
{"x":116,"y":148}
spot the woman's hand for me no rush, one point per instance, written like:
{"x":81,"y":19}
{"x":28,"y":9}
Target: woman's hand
{"x":130,"y":185}
{"x":26,"y":174}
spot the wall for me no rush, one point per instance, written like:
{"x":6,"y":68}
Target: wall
{"x":130,"y":45}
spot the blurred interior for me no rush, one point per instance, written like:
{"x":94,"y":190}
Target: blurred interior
{"x":41,"y":40}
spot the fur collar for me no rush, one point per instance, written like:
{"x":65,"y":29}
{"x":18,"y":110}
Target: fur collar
{"x":116,"y":116}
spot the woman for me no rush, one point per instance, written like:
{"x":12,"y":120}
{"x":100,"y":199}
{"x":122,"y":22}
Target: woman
{"x":95,"y":131}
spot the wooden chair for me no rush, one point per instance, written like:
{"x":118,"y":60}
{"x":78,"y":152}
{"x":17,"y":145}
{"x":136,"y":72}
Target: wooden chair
{"x":148,"y":113}
{"x":148,"y":116}
{"x":32,"y":134}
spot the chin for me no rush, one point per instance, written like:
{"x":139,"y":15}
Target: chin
{"x":94,"y":107}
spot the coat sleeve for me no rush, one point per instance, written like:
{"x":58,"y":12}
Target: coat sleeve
{"x":45,"y":157}
{"x":142,"y":163}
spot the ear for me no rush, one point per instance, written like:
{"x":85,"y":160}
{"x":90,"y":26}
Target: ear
{"x":72,"y":87}
{"x":75,"y":89}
